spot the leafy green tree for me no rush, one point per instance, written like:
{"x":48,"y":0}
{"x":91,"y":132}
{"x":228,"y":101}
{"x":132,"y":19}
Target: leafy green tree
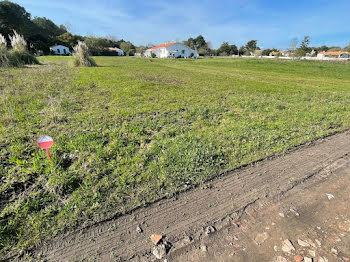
{"x":190,"y":43}
{"x":242,"y":50}
{"x":224,"y":49}
{"x":213,"y":52}
{"x":96,"y":45}
{"x":69,"y":40}
{"x":40,"y":33}
{"x":45,"y":33}
{"x":266,"y":52}
{"x":203,"y":51}
{"x":48,"y":27}
{"x":128,"y":48}
{"x":251,"y":46}
{"x":199,"y":43}
{"x":300,"y":52}
{"x":14,"y":17}
{"x":233,"y":50}
{"x":305,"y":44}
{"x":99,"y":45}
{"x":227,"y":49}
{"x":322,"y":48}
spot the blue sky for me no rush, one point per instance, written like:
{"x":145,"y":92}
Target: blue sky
{"x":274,"y":23}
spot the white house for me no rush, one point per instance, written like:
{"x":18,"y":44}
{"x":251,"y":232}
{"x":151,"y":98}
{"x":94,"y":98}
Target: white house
{"x":333,"y":54}
{"x":116,"y":49}
{"x":173,"y":49}
{"x":59,"y":50}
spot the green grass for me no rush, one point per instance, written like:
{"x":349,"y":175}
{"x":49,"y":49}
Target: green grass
{"x":134,"y":130}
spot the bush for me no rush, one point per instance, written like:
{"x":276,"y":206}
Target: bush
{"x":300,"y":53}
{"x":81,"y":55}
{"x":19,"y":55}
{"x":153,"y":55}
{"x":18,"y":59}
{"x":4,"y":55}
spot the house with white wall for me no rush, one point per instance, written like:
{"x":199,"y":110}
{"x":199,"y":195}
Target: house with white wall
{"x":333,"y":54}
{"x":59,"y":50}
{"x":169,"y":50}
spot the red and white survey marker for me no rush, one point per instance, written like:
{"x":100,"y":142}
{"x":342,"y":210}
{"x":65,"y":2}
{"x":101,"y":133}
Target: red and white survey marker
{"x":45,"y":142}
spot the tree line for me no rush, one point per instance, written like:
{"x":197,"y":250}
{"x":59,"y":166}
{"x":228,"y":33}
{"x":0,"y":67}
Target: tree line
{"x":251,"y":47}
{"x":41,"y":33}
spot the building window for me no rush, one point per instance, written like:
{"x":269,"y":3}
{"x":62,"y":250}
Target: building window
{"x":64,"y":51}
{"x":183,"y":51}
{"x":58,"y":50}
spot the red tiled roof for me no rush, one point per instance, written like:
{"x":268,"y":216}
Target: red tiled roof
{"x":112,"y":48}
{"x":162,"y":45}
{"x":332,"y":52}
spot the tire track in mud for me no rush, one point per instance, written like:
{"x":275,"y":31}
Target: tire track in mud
{"x":195,"y":209}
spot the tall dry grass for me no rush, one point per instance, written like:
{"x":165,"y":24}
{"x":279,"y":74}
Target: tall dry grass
{"x":18,"y":43}
{"x":4,"y":55}
{"x":81,"y":55}
{"x":18,"y":55}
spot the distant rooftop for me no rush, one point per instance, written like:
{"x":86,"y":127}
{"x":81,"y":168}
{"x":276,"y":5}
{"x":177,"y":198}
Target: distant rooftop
{"x":163,"y":45}
{"x":332,"y":52}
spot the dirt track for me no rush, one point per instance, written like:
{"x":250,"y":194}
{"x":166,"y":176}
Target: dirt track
{"x":304,"y":214}
{"x":262,"y":190}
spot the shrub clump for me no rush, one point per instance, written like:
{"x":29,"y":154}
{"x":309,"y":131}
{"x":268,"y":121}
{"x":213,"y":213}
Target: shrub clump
{"x":81,"y":55}
{"x":18,"y":55}
{"x":4,"y":54}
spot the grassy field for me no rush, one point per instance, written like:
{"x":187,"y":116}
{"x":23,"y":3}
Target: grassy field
{"x":133,"y":130}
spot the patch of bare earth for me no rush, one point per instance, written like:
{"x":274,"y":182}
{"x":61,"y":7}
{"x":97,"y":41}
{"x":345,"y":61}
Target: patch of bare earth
{"x":285,"y":209}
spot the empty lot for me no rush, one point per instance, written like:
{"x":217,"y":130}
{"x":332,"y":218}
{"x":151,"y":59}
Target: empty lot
{"x":135,"y":130}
